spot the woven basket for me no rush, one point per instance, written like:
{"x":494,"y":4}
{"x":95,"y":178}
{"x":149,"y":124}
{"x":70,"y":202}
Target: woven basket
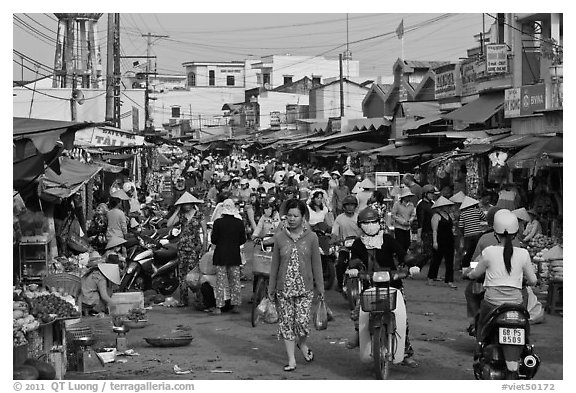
{"x":71,"y":283}
{"x":261,"y":263}
{"x":79,"y":331}
{"x":376,"y":299}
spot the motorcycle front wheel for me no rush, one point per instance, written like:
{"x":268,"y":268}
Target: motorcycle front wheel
{"x":353,"y":292}
{"x":329,"y":272}
{"x":261,"y":293}
{"x":380,"y":352}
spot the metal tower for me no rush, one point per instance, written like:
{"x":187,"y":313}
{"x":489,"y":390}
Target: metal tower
{"x":77,"y":61}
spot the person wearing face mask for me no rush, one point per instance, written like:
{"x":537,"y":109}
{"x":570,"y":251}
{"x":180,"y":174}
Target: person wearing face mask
{"x":374,"y":251}
{"x":193,"y":238}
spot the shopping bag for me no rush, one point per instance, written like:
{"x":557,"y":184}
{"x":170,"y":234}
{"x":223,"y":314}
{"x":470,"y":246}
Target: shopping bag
{"x":271,"y":314}
{"x":193,"y":278}
{"x":321,"y":316}
{"x":263,"y":306}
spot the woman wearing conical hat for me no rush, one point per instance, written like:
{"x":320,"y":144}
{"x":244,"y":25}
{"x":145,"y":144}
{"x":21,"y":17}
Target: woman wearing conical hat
{"x":193,"y":238}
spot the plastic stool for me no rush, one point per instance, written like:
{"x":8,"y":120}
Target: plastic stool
{"x":554,"y":298}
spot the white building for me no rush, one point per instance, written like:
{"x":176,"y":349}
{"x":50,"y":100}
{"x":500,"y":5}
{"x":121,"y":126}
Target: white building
{"x":230,"y":74}
{"x":277,"y":70}
{"x":325,"y":100}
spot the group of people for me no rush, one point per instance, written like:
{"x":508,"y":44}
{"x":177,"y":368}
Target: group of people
{"x":244,"y":199}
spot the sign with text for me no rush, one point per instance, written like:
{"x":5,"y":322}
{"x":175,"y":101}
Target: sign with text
{"x":447,"y":82}
{"x":496,"y":58}
{"x":468,"y":75}
{"x":107,"y":137}
{"x":524,"y":101}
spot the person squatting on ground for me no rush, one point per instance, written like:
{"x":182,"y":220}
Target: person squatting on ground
{"x":193,"y":238}
{"x":228,"y":235}
{"x":295,"y":271}
{"x":374,"y":251}
{"x":442,"y":242}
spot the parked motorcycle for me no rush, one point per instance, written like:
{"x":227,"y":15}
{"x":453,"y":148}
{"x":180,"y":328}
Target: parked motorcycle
{"x":152,"y":264}
{"x":382,"y":323}
{"x":327,"y":254}
{"x":503,"y":349}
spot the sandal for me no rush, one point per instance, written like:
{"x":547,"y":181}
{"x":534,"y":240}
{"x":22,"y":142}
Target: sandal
{"x":308,"y":356}
{"x":289,"y":368}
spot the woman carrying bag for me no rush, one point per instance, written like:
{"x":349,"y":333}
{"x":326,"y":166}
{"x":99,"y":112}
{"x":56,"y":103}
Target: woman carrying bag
{"x":295,"y":271}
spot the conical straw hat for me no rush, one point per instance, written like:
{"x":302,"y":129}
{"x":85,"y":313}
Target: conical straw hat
{"x":120,"y":194}
{"x":458,"y":197}
{"x":114,"y":241}
{"x":187,"y":198}
{"x":467,"y":202}
{"x":110,"y":271}
{"x":522,"y":214}
{"x":366,"y":183}
{"x":441,"y":201}
{"x":349,"y":173}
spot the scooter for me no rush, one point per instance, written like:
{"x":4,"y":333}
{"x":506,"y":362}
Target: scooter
{"x":351,"y":284}
{"x":382,"y":323}
{"x":152,"y":265}
{"x":503,"y":350}
{"x":327,"y":254}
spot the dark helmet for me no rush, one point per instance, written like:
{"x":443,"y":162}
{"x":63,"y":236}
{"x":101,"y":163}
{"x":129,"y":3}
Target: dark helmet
{"x":350,"y":200}
{"x":368,"y":215}
{"x":490,"y":215}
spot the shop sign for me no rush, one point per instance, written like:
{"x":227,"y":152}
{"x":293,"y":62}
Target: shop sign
{"x":446,"y":82}
{"x":556,"y":96}
{"x":107,"y":137}
{"x":468,"y":75}
{"x":135,"y":119}
{"x":275,"y":120}
{"x":496,"y":58}
{"x":402,"y":93}
{"x":512,"y":102}
{"x":533,"y":99}
{"x":524,"y":101}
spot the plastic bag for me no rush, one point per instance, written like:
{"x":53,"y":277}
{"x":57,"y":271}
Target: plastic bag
{"x":193,"y":278}
{"x":263,"y":306}
{"x":321,"y":316}
{"x":271,"y":314}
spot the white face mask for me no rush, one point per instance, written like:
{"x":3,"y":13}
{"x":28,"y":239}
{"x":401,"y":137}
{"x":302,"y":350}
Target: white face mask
{"x":371,"y":228}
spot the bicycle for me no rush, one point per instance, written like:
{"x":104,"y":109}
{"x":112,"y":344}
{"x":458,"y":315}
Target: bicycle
{"x":261,"y":271}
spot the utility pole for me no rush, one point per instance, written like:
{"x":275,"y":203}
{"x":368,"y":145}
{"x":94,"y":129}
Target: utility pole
{"x":109,"y":118}
{"x":341,"y":88}
{"x":117,"y":70}
{"x":148,"y":122}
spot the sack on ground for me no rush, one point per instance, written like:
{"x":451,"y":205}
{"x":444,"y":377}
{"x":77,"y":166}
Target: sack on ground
{"x":271,"y":314}
{"x":321,"y":316}
{"x":206,"y":263}
{"x":193,"y":278}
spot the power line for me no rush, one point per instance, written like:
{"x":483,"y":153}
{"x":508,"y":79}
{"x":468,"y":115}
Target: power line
{"x":524,"y":33}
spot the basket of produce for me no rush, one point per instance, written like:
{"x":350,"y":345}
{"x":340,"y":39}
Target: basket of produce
{"x":169,"y":341}
{"x":64,"y":283}
{"x":135,"y":319}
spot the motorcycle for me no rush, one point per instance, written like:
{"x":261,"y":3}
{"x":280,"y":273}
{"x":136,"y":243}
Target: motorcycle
{"x":503,"y":350}
{"x":382,"y":323}
{"x":327,"y":254}
{"x":152,"y":264}
{"x":351,"y":284}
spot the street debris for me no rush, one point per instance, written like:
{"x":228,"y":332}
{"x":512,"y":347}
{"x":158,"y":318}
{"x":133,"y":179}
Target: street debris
{"x":221,"y":371}
{"x":180,"y":371}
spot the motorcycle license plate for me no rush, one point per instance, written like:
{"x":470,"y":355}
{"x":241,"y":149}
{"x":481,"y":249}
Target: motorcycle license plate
{"x":511,"y":336}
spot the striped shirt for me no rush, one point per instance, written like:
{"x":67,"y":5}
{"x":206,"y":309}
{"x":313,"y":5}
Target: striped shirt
{"x":469,"y":221}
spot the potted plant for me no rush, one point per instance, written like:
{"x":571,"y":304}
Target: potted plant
{"x":553,"y":51}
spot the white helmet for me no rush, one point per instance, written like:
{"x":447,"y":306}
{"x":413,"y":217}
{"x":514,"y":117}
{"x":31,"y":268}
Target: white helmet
{"x":505,"y":221}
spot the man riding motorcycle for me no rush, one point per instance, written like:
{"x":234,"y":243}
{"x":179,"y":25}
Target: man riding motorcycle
{"x":345,"y":227}
{"x":374,"y":251}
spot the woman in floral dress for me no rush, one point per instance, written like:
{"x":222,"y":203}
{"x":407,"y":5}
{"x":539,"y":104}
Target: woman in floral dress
{"x":193,"y":238}
{"x":295,"y":271}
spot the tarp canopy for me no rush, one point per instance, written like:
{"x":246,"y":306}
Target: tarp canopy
{"x":108,"y":167}
{"x":415,"y":124}
{"x":73,"y":175}
{"x":118,"y":157}
{"x":367,"y":124}
{"x":45,"y":133}
{"x":533,"y":154}
{"x":514,"y":141}
{"x":479,"y":110}
{"x":401,"y":151}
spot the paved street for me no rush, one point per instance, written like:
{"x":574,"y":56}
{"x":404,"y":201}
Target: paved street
{"x":229,"y":343}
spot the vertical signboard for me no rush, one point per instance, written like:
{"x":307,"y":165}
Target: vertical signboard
{"x":135,"y":119}
{"x":468,"y":75}
{"x":447,"y":82}
{"x":496,"y":58}
{"x":512,"y":102}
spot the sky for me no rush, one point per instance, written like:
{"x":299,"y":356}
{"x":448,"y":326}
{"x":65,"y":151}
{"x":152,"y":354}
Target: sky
{"x":212,"y":36}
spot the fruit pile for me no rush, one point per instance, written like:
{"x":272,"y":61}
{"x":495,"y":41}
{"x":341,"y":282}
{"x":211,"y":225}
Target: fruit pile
{"x":48,"y":307}
{"x":136,"y":314}
{"x":22,"y":322}
{"x":539,"y":245}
